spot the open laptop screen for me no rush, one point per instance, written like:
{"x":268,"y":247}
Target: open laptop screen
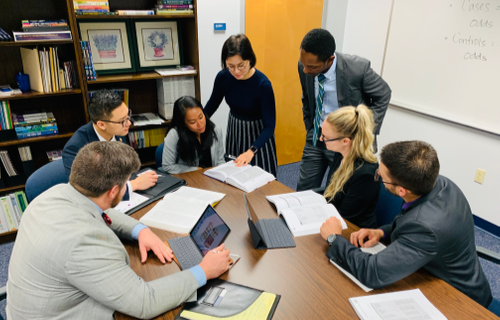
{"x":210,"y":231}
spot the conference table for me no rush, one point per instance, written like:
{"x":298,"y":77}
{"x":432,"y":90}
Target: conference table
{"x":309,"y":285}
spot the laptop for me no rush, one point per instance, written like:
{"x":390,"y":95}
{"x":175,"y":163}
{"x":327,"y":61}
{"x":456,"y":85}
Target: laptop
{"x":208,"y":233}
{"x":268,"y":233}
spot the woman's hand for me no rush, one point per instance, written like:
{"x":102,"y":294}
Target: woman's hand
{"x":244,"y":158}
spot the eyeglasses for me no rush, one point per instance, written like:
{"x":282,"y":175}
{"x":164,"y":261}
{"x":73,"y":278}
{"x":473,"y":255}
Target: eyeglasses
{"x":124,"y":122}
{"x":323,"y":138}
{"x":378,"y":178}
{"x":240,"y":67}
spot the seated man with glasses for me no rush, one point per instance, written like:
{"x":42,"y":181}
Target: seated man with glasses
{"x":434,"y":231}
{"x":110,"y":121}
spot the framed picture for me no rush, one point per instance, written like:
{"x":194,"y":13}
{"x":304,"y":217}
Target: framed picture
{"x":110,"y":44}
{"x":157,"y":44}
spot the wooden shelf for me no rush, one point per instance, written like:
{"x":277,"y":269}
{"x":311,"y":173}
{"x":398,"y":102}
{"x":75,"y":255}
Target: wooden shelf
{"x":115,"y":16}
{"x":36,"y":94}
{"x":19,"y":187}
{"x":35,"y":139}
{"x":33,"y":43}
{"x":149,"y":163}
{"x":8,"y":236}
{"x":132,"y":77}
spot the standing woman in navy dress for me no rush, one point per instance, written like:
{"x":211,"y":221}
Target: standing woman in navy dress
{"x":250,"y":96}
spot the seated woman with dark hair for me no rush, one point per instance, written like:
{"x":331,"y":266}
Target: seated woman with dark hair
{"x":352,"y":188}
{"x":193,"y":141}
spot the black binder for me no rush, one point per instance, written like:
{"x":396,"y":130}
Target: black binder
{"x":237,"y":298}
{"x":165,"y":184}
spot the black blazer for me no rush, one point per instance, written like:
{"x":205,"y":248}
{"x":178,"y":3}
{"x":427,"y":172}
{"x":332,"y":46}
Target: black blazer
{"x":359,"y":197}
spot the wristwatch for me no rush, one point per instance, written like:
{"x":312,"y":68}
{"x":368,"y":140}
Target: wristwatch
{"x":253,"y":149}
{"x":331,"y":238}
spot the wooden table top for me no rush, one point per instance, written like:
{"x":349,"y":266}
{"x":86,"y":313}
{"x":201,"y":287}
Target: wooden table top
{"x":309,"y":285}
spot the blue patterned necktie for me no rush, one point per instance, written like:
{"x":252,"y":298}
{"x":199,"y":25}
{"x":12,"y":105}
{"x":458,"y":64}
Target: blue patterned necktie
{"x":319,"y":107}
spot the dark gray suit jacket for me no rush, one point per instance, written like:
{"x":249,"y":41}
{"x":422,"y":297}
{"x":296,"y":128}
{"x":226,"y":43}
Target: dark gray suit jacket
{"x":436,"y":232}
{"x":357,"y":84}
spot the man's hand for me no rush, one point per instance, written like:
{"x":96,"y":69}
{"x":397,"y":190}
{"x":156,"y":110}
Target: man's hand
{"x":144,"y":181}
{"x":215,"y":262}
{"x":150,"y":241}
{"x":330,"y":226}
{"x":358,"y":238}
{"x":244,"y":158}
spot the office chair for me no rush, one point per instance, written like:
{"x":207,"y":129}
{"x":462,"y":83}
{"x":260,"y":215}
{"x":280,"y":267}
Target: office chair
{"x":44,"y":178}
{"x":158,"y":156}
{"x":495,"y":258}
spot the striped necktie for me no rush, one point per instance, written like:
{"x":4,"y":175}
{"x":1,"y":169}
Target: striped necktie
{"x":319,"y":107}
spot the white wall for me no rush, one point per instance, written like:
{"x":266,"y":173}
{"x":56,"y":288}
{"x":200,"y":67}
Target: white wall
{"x":334,"y":20}
{"x":210,"y":45}
{"x":461,"y":150}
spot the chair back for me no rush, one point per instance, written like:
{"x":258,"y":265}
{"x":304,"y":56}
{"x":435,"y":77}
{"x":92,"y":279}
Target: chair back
{"x":159,"y":155}
{"x":388,"y":206}
{"x":45,"y":178}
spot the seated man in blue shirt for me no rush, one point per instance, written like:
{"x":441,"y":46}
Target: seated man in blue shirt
{"x":434,"y":230}
{"x":110,"y":121}
{"x":68,"y":261}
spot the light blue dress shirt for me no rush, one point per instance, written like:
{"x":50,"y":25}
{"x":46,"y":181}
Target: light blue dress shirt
{"x":197,"y":271}
{"x":330,"y":101}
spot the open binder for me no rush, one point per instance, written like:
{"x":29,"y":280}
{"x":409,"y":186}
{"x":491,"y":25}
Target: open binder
{"x":221,"y":299}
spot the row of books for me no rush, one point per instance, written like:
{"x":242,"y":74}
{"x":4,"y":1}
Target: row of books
{"x":124,"y":94}
{"x":34,"y":124}
{"x":12,"y":207}
{"x":87,"y":61}
{"x":164,"y":7}
{"x":54,"y":155}
{"x":5,"y":116}
{"x":83,"y":7}
{"x":40,"y":30}
{"x":45,"y":72}
{"x":147,"y":138}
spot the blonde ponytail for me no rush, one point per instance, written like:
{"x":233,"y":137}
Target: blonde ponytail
{"x":357,"y":124}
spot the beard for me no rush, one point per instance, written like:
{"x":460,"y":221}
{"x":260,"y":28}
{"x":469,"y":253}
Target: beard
{"x":391,"y":191}
{"x":116,"y":200}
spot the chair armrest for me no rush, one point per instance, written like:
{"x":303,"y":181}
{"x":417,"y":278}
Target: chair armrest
{"x":320,"y":190}
{"x":488,"y":254}
{"x":3,"y":293}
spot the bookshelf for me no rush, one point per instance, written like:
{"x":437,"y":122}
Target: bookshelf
{"x":70,"y":106}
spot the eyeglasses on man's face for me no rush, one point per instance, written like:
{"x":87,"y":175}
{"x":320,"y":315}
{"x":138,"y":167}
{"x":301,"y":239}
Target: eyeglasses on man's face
{"x":124,"y":122}
{"x":240,"y":67}
{"x":378,"y":178}
{"x":324,"y":139}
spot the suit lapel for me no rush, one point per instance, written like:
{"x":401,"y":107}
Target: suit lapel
{"x":92,"y":136}
{"x":341,"y":81}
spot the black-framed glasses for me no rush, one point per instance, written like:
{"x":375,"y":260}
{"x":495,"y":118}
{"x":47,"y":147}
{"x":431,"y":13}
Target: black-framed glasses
{"x":124,"y":122}
{"x":323,"y":138}
{"x":378,"y":178}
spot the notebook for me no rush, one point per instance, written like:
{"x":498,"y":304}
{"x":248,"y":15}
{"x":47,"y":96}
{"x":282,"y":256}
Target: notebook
{"x":208,"y":233}
{"x":268,"y":233}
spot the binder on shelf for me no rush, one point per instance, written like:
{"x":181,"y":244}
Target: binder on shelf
{"x":26,"y":160}
{"x":12,"y":177}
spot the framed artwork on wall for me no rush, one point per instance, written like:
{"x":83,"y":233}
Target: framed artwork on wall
{"x":110,"y":44}
{"x":157,"y":44}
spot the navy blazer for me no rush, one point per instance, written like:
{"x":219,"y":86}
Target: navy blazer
{"x":435,"y":233}
{"x":358,"y":198}
{"x":83,"y":136}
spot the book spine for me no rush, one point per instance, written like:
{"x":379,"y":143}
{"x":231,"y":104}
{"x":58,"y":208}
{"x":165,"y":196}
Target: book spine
{"x":17,"y":210}
{"x":172,"y":2}
{"x":135,"y":12}
{"x":91,"y":62}
{"x":45,"y":29}
{"x":21,"y":197}
{"x":36,"y":128}
{"x":96,"y":11}
{"x":90,"y":7}
{"x":2,"y":123}
{"x":174,"y":6}
{"x":8,"y":214}
{"x":92,"y":3}
{"x":175,"y":9}
{"x":84,"y":58}
{"x":172,"y":12}
{"x":40,"y":36}
{"x":43,"y":23}
{"x":36,"y":134}
{"x":9,"y":115}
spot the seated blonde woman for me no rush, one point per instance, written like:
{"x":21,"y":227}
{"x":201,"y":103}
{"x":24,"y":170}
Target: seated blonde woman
{"x":193,"y":141}
{"x":352,"y":188}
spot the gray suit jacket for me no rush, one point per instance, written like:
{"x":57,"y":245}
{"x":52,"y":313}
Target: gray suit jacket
{"x":68,"y":264}
{"x":357,"y":83}
{"x":170,"y":162}
{"x":436,"y":232}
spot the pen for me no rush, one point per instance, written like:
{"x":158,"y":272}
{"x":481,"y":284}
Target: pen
{"x":231,"y":157}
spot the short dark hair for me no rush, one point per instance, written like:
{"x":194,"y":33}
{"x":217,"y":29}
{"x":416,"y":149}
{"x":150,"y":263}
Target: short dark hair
{"x":188,"y":147}
{"x":319,"y":42}
{"x":101,"y":165}
{"x":414,"y":165}
{"x":238,"y":45}
{"x":102,"y":104}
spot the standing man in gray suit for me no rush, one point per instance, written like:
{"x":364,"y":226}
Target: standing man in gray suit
{"x":331,"y":80}
{"x":68,"y":261}
{"x":434,"y":231}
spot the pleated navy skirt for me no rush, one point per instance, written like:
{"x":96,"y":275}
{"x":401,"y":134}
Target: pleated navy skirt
{"x":240,"y":136}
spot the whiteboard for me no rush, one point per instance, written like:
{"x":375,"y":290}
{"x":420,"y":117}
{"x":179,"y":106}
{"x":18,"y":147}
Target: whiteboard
{"x":443,"y":59}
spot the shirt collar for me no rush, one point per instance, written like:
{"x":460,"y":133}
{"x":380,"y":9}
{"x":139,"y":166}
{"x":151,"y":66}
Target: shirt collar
{"x":330,"y":74}
{"x":100,"y":137}
{"x":95,"y":204}
{"x":406,"y":205}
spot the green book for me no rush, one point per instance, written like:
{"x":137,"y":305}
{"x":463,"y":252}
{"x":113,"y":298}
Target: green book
{"x":21,"y":198}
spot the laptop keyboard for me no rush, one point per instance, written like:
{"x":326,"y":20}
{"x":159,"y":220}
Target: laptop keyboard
{"x":276,"y":233}
{"x":186,"y":252}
